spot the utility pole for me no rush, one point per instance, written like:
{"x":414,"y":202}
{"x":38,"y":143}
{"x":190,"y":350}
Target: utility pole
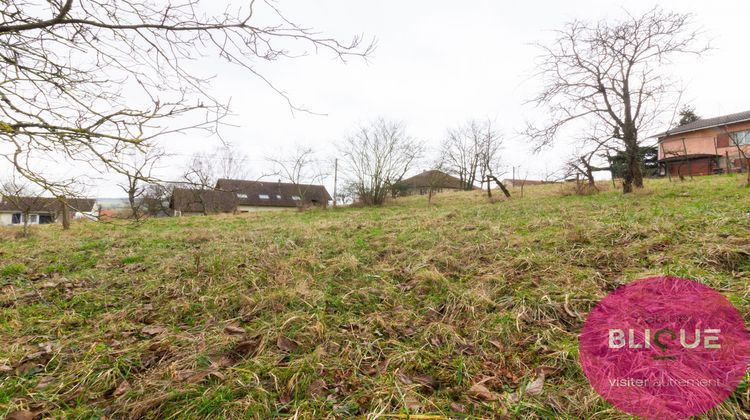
{"x":335,"y":179}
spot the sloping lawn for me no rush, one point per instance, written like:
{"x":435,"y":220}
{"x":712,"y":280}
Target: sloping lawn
{"x":451,"y":310}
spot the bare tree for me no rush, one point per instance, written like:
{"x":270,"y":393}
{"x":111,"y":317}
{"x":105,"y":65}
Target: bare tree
{"x":200,"y":175}
{"x":376,"y":157}
{"x":594,"y":148}
{"x":24,"y":197}
{"x":471,"y":151}
{"x":156,"y":199}
{"x":299,"y":167}
{"x":138,"y":174}
{"x":436,"y":180}
{"x":583,"y":165}
{"x":72,"y":68}
{"x":231,"y":162}
{"x":613,"y":73}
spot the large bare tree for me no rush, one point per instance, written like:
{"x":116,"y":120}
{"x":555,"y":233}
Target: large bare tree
{"x":377,"y":156}
{"x":299,"y":167}
{"x":613,"y":73}
{"x":471,"y":152}
{"x":139,"y":175}
{"x":92,"y":80}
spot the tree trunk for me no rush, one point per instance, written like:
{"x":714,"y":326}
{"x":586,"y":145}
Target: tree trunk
{"x":26,"y":225}
{"x":638,"y":174}
{"x":133,"y":207}
{"x":65,"y":214}
{"x":632,"y":175}
{"x":499,"y":184}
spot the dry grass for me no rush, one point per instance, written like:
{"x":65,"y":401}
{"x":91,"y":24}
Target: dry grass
{"x":451,"y":310}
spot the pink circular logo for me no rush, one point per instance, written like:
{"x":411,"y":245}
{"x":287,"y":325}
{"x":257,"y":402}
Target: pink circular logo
{"x":664,"y":348}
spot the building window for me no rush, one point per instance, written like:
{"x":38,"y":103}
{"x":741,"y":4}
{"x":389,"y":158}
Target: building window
{"x":741,"y":137}
{"x":263,"y":196}
{"x":278,"y":196}
{"x":241,"y":195}
{"x":296,"y":198}
{"x":17,"y":218}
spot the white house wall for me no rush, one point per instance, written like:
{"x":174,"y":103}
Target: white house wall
{"x":251,"y":209}
{"x":6,"y":219}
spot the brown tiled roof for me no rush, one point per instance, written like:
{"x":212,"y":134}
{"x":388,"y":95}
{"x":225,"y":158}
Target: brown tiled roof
{"x":45,"y":204}
{"x":432,"y":179}
{"x":280,"y":194}
{"x":200,"y":201}
{"x":708,"y":123}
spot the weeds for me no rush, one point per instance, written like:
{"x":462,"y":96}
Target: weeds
{"x":464,"y":309}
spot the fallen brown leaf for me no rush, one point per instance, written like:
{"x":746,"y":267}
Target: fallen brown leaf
{"x":153,"y":330}
{"x":426,"y":380}
{"x":248,"y":348}
{"x":20,"y":415}
{"x":536,"y":386}
{"x":197,"y":377}
{"x":232,"y":329}
{"x":481,"y":393}
{"x":121,"y":389}
{"x":458,"y":408}
{"x":498,"y":345}
{"x":412,"y":403}
{"x":317,"y":388}
{"x":286,"y":344}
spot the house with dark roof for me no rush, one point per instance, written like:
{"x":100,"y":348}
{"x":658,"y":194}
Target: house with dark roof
{"x":241,"y":196}
{"x":188,"y":201}
{"x":15,"y":210}
{"x":706,"y":146}
{"x":259,"y":196}
{"x":434,"y":181}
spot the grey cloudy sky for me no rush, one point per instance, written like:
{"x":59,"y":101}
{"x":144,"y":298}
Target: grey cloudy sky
{"x":439,"y":63}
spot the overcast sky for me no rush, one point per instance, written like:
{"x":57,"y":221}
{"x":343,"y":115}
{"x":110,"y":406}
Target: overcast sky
{"x":439,"y":63}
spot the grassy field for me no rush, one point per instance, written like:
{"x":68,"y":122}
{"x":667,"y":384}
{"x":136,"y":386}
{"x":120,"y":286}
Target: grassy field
{"x":464,"y":309}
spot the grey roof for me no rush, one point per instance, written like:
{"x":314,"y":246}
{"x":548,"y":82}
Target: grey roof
{"x":708,"y":123}
{"x":44,"y":204}
{"x":275,"y":194}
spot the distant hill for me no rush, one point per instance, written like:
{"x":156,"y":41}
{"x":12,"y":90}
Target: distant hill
{"x":112,"y":203}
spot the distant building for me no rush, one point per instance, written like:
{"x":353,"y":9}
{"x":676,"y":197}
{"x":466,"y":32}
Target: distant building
{"x":260,"y":196}
{"x":434,"y":180}
{"x":240,"y":196}
{"x":706,"y":146}
{"x":44,"y":210}
{"x":186,"y":201}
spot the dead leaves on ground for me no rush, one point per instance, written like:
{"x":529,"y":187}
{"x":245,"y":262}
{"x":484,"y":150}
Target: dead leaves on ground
{"x":317,"y":389}
{"x":482,"y":393}
{"x":153,"y":330}
{"x":286,"y":344}
{"x":21,"y":415}
{"x":234,"y":330}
